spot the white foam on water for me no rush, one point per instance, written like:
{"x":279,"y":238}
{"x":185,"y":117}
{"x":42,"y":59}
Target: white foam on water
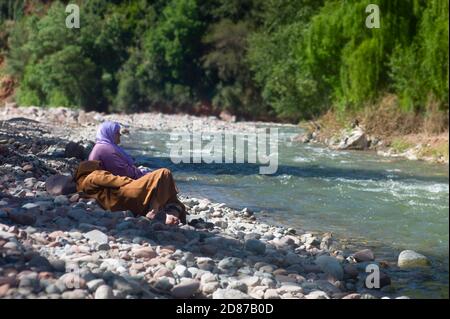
{"x":300,"y":159}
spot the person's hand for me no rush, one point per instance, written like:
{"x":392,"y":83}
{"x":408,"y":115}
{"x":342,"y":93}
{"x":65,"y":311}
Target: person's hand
{"x":145,"y":170}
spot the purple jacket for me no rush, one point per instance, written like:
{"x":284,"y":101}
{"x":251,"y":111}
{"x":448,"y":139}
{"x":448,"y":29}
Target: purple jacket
{"x":114,"y":162}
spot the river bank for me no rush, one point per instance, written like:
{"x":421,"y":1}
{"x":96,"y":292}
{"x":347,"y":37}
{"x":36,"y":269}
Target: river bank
{"x":49,"y":242}
{"x":389,"y":135}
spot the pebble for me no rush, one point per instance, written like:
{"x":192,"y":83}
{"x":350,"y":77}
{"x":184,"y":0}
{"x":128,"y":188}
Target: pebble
{"x":205,"y":263}
{"x":412,"y":259}
{"x":144,"y":252}
{"x":185,"y":289}
{"x":61,"y":200}
{"x":255,"y":246}
{"x":182,"y":271}
{"x":364,"y":255}
{"x":96,"y":236}
{"x":164,"y":283}
{"x":210,"y":287}
{"x":331,"y":266}
{"x":104,"y":292}
{"x":229,"y":294}
{"x":271,"y":294}
{"x":317,"y":294}
{"x":94,"y":284}
{"x":75,"y":294}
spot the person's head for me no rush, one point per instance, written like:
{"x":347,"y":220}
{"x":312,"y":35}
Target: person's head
{"x":109,"y":132}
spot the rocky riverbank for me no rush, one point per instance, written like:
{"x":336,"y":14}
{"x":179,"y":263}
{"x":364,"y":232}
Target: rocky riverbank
{"x":433,"y":149}
{"x":56,"y":244}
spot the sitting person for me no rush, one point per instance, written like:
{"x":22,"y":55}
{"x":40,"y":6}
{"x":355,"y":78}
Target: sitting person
{"x":153,"y":194}
{"x":111,"y":156}
{"x":111,"y":177}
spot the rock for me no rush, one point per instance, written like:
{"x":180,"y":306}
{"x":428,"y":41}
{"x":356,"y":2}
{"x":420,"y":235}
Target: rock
{"x":317,"y":294}
{"x":32,"y":208}
{"x":351,"y":271}
{"x":29,"y":182}
{"x":162,"y":272}
{"x":252,"y":281}
{"x":4,"y":290}
{"x":126,"y":286}
{"x":112,"y":264}
{"x":22,"y":218}
{"x":385,"y":280}
{"x":331,"y":266}
{"x":227,"y":116}
{"x":27,"y":168}
{"x":61,"y":200}
{"x":104,"y":247}
{"x":352,"y":296}
{"x":412,"y":259}
{"x":96,"y":236}
{"x":144,"y":252}
{"x":238,"y":285}
{"x":210,"y":287}
{"x":208,"y":277}
{"x":205,"y":263}
{"x":255,"y":246}
{"x":303,"y":138}
{"x":229,"y":263}
{"x":60,"y":185}
{"x":74,"y":150}
{"x":355,"y":140}
{"x":229,"y":294}
{"x":41,"y":263}
{"x":271,"y":294}
{"x":93,"y":285}
{"x":3,"y":214}
{"x":185,"y":289}
{"x":73,"y":280}
{"x":182,"y":271}
{"x":74,"y":198}
{"x":209,"y":250}
{"x":104,"y":292}
{"x":75,"y":294}
{"x":164,"y":283}
{"x":364,"y":255}
{"x":4,"y":151}
{"x":294,"y":289}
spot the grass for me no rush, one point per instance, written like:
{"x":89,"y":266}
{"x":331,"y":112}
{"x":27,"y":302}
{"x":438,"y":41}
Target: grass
{"x":441,"y":150}
{"x":400,"y":145}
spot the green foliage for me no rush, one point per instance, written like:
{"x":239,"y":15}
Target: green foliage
{"x":420,"y":70}
{"x":292,"y":59}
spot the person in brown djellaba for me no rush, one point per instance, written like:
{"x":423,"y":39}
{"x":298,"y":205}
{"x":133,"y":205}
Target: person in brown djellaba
{"x":111,"y":178}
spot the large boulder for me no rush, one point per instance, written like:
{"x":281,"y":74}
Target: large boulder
{"x":355,"y":140}
{"x":411,"y":259}
{"x":60,"y":185}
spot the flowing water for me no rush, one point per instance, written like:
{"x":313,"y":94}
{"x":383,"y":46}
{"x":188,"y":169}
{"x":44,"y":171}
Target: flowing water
{"x":366,"y":200}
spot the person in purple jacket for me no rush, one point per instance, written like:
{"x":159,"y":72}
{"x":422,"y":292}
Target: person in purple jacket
{"x":113,"y":158}
{"x":116,"y":161}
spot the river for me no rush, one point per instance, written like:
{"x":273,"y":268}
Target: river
{"x":364,"y":199}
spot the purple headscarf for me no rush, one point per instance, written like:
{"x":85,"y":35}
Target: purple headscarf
{"x":105,"y":135}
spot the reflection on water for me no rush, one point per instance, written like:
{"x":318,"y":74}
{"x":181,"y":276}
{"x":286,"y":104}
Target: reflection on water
{"x":393,"y":204}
